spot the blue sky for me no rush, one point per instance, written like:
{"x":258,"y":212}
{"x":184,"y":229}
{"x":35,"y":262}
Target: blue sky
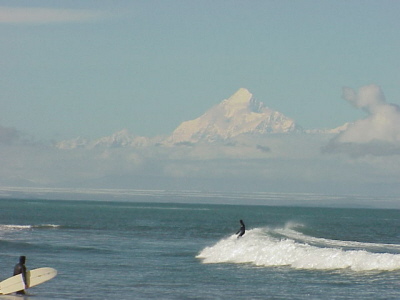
{"x":91,"y":68}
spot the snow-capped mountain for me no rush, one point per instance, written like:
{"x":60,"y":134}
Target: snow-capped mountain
{"x":76,"y":143}
{"x":239,"y":114}
{"x":119,"y":139}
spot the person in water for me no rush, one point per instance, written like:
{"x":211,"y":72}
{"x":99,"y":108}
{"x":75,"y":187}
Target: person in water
{"x":242,"y":229}
{"x":21,"y":269}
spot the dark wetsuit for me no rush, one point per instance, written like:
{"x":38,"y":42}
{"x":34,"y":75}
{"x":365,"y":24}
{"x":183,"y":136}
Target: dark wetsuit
{"x":21,"y":269}
{"x":242,"y":229}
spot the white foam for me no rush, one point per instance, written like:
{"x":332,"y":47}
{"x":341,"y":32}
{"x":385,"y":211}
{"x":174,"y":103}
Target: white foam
{"x":14,"y":227}
{"x":46,"y":226}
{"x":24,"y":227}
{"x":259,"y":247}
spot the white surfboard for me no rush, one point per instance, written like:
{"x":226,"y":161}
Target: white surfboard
{"x":34,"y":277}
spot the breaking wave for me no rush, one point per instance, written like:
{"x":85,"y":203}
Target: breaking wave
{"x":266,"y":247}
{"x":23,"y":227}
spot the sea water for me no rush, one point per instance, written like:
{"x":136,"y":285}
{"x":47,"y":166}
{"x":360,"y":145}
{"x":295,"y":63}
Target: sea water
{"x":133,"y":250}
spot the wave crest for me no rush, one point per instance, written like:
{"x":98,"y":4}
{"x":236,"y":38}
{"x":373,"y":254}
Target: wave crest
{"x":271,"y":248}
{"x":24,"y":227}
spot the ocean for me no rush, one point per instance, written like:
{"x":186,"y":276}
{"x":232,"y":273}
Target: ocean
{"x":148,"y":250}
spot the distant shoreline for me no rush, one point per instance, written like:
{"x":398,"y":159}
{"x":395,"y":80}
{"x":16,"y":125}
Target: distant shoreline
{"x":201,"y":197}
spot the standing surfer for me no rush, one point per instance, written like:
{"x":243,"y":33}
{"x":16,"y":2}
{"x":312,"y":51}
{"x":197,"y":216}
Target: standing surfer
{"x":242,"y":229}
{"x":21,"y":269}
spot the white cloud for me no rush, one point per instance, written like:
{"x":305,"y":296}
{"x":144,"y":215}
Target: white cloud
{"x":368,"y":98}
{"x":378,"y":133}
{"x":32,"y":15}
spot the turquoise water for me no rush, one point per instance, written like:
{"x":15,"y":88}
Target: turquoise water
{"x":131,"y":250}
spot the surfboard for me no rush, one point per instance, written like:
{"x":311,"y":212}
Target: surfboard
{"x":34,"y":277}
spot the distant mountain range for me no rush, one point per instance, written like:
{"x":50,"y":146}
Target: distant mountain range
{"x":240,"y":114}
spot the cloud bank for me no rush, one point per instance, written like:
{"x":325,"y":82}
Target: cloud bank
{"x":378,"y":134}
{"x":281,"y":163}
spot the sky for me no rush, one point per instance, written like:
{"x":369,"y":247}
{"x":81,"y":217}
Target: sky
{"x":92,"y":68}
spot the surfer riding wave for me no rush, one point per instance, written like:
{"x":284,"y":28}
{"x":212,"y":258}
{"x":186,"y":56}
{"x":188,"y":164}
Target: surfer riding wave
{"x":242,"y":229}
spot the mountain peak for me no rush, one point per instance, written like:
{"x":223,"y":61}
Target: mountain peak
{"x":242,"y":96}
{"x":239,"y":114}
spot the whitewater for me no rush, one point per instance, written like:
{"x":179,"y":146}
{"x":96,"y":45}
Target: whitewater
{"x":286,"y":247}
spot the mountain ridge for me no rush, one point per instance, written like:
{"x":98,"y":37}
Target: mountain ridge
{"x":240,"y":114}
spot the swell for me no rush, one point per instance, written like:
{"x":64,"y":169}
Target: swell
{"x":291,"y":233}
{"x":49,"y":248}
